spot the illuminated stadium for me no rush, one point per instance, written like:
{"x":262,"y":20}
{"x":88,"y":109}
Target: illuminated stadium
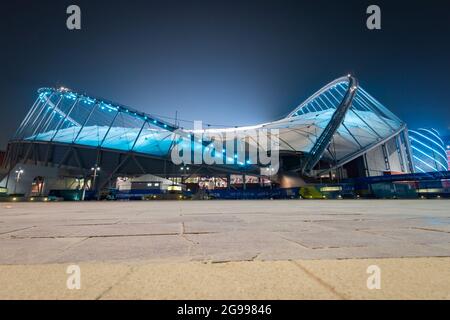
{"x":340,"y":132}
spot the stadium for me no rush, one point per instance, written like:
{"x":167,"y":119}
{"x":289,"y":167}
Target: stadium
{"x":74,"y":141}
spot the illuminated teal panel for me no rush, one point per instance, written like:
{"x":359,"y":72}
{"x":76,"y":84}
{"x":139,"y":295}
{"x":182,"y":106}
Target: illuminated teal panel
{"x":428,"y":150}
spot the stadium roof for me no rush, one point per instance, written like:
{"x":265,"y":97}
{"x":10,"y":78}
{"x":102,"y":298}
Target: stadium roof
{"x":338,"y":123}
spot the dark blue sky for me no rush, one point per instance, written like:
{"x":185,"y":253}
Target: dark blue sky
{"x":226,"y":62}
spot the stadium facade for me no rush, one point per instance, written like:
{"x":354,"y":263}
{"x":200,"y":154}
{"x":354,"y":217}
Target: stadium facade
{"x":447,"y":149}
{"x":428,"y":149}
{"x":73,"y":140}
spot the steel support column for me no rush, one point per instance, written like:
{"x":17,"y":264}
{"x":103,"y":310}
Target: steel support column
{"x":336,"y":120}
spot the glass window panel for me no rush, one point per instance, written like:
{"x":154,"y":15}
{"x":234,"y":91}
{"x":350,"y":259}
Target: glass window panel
{"x":379,"y":108}
{"x":342,"y":144}
{"x":59,"y":115}
{"x":27,"y":128}
{"x":154,"y":141}
{"x":75,"y":120}
{"x":97,"y":124}
{"x":43,"y":118}
{"x":81,"y":112}
{"x":47,"y":129}
{"x":362,"y":131}
{"x":124,"y":131}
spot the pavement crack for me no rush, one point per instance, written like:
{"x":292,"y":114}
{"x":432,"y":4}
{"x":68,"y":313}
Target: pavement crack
{"x":11,"y":231}
{"x":295,"y":242}
{"x":320,"y":281}
{"x":70,"y":246}
{"x":183,"y":236}
{"x":86,"y":224}
{"x":430,"y":229}
{"x":129,"y":272}
{"x":255,"y":257}
{"x":110,"y":235}
{"x":251,"y":259}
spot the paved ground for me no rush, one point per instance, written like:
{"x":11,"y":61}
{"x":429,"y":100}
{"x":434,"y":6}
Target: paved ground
{"x":410,"y":278}
{"x":238,"y":249}
{"x":222,"y":230}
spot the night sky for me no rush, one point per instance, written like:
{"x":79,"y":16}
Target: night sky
{"x":226,"y":62}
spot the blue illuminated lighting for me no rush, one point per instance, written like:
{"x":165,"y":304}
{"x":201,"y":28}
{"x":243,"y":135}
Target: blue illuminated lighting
{"x":426,"y":157}
{"x":89,"y":101}
{"x":423,"y":162}
{"x":435,"y":133}
{"x":432,"y":152}
{"x":439,"y":143}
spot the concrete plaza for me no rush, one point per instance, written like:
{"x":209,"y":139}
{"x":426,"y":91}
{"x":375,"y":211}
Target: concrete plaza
{"x":226,"y":249}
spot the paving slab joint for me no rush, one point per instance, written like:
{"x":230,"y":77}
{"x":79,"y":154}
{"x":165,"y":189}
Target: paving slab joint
{"x":319,"y":280}
{"x":129,"y":272}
